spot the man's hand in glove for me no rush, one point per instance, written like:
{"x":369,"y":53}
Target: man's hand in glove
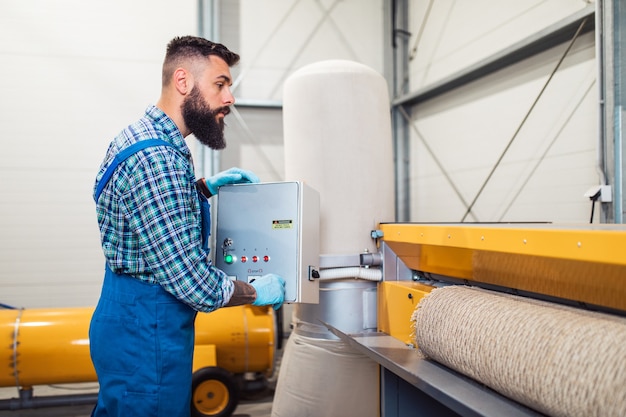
{"x":230,"y":176}
{"x":270,"y":290}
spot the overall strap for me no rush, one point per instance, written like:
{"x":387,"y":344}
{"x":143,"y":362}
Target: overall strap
{"x":123,"y":155}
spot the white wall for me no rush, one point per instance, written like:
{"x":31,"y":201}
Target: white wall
{"x":456,"y":34}
{"x":279,"y":37}
{"x":73,"y":73}
{"x":457,"y":138}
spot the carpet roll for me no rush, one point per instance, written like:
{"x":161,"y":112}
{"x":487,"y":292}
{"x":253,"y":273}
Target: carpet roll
{"x":556,"y":359}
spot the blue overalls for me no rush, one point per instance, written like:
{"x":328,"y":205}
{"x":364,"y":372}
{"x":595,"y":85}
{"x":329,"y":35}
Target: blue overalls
{"x":142,"y":337}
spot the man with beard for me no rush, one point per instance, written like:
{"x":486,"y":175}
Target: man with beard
{"x":154,"y":226}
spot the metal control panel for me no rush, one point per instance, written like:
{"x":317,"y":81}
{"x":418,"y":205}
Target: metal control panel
{"x":270,"y":228}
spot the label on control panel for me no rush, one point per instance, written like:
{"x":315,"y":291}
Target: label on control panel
{"x":282,"y":224}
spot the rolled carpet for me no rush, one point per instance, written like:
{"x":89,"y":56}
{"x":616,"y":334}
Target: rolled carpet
{"x":558,"y":360}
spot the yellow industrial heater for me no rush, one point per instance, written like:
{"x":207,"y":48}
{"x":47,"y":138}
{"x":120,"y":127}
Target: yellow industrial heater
{"x":51,"y":346}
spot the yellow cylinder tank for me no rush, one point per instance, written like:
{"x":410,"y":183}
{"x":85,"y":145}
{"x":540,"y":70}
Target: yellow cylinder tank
{"x":41,"y":346}
{"x":51,"y":346}
{"x":244,"y":337}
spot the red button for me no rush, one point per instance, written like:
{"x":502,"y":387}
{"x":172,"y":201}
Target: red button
{"x":255,"y":258}
{"x":244,"y":259}
{"x":266,"y":258}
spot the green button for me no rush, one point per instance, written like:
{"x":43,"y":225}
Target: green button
{"x":229,"y":259}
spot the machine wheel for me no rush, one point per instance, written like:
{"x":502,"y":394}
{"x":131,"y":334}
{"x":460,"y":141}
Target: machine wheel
{"x":214,"y":393}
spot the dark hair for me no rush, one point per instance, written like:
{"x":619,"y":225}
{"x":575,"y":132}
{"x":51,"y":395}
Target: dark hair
{"x":185,"y":47}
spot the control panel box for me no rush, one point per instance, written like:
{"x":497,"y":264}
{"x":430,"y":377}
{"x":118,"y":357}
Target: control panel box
{"x":270,"y":228}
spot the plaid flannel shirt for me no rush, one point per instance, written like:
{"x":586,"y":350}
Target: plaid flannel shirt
{"x":149,"y":216}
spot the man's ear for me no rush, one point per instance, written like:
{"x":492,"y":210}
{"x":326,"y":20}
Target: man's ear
{"x":183,"y":81}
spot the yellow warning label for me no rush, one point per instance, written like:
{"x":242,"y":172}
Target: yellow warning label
{"x":282,"y":224}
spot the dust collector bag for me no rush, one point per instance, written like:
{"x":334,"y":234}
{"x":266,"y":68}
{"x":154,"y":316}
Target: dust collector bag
{"x":325,"y":378}
{"x":558,"y":360}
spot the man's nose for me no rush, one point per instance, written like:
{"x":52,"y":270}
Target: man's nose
{"x":228,"y":98}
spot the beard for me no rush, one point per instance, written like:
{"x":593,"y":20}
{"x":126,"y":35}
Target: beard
{"x":201,"y":120}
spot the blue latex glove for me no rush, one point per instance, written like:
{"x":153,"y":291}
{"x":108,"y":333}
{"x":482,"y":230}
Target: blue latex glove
{"x":270,"y":290}
{"x":230,"y":176}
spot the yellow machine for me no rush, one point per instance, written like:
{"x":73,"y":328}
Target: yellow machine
{"x":550,"y":260}
{"x":563,"y":287}
{"x":51,"y":346}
